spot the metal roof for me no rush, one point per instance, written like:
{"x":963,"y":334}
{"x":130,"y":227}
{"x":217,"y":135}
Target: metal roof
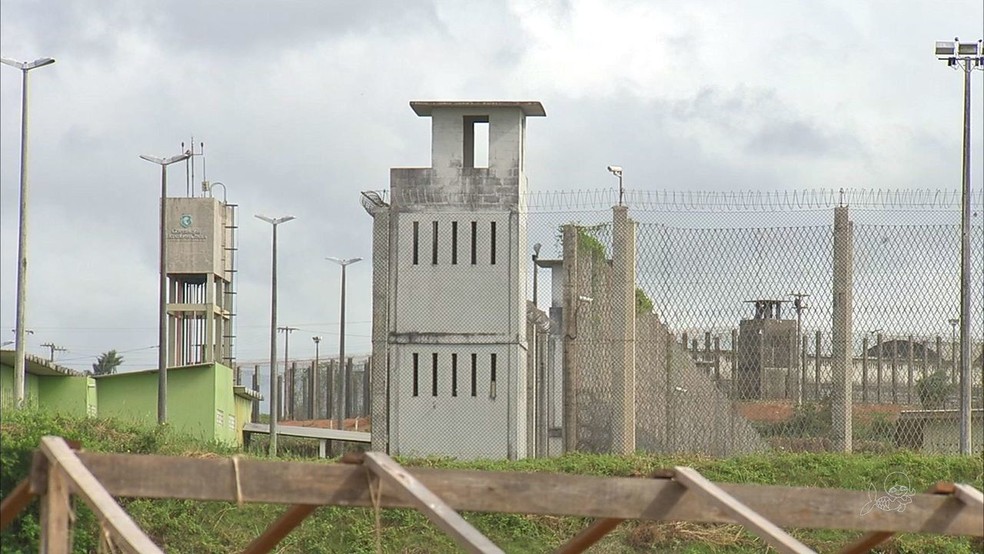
{"x":37,"y":365}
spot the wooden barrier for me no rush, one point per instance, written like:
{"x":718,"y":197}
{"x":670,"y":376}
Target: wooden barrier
{"x":680,"y":494}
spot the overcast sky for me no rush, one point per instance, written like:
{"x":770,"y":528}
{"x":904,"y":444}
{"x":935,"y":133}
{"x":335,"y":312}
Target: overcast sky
{"x":302,"y":104}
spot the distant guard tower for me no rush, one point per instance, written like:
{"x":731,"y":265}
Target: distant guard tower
{"x":200,"y":265}
{"x":766,"y":353}
{"x":449,"y":289}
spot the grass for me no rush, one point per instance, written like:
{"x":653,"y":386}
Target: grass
{"x":207,"y":527}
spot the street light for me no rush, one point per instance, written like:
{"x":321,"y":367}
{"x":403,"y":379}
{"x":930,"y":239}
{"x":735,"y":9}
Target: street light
{"x":617,"y":171}
{"x":20,"y":344}
{"x":966,"y":56}
{"x":162,"y":292}
{"x":341,"y":389}
{"x":315,"y":412}
{"x":274,"y":221}
{"x":799,"y":306}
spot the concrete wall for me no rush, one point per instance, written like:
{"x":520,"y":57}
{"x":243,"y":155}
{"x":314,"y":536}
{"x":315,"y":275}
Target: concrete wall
{"x":69,"y":395}
{"x":191,"y":400}
{"x":7,"y":387}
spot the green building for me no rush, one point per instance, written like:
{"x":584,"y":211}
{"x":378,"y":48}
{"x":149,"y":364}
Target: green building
{"x":202,"y":400}
{"x":49,"y":385}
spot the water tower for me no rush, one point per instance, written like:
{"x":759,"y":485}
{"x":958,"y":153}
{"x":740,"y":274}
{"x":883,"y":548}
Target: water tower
{"x":200,"y":267}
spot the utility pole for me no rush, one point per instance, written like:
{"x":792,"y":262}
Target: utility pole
{"x":54,"y":348}
{"x":288,"y":373}
{"x":799,"y":306}
{"x":314,"y":399}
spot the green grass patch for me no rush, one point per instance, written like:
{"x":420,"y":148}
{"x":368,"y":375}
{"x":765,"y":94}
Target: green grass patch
{"x":211,"y":527}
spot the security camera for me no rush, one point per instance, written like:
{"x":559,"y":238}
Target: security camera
{"x":615,"y":169}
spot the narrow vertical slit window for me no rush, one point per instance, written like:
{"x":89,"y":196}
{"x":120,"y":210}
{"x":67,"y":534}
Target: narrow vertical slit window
{"x":434,"y":243}
{"x":454,"y":375}
{"x":416,"y":373}
{"x":474,"y":375}
{"x":474,"y":243}
{"x":434,"y":374}
{"x":492,"y":244}
{"x":416,"y":242}
{"x":492,"y":377}
{"x":454,"y":243}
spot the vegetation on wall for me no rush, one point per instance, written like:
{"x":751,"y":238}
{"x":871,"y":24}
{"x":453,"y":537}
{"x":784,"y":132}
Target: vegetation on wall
{"x":643,"y":304}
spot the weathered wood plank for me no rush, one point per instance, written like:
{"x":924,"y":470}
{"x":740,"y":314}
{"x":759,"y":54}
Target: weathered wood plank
{"x":752,"y":520}
{"x":13,"y":503}
{"x":56,"y":512}
{"x":969,"y":496}
{"x":874,"y":538}
{"x":391,"y":474}
{"x":589,"y":536}
{"x":129,"y":475}
{"x":88,"y":486}
{"x":280,"y":529}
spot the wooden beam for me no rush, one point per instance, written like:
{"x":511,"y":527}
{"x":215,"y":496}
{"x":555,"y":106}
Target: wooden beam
{"x":85,"y":484}
{"x":769,"y":532}
{"x":279,"y":482}
{"x":874,"y":538}
{"x":56,"y":509}
{"x":589,"y":536}
{"x":15,"y":502}
{"x":280,"y":529}
{"x":969,"y":496}
{"x":391,"y":474}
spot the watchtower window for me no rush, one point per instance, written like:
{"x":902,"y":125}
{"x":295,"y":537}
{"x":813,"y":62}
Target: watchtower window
{"x":476,"y":146}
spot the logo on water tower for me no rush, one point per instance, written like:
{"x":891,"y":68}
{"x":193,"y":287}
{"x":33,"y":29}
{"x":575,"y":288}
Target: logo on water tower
{"x":185,"y":221}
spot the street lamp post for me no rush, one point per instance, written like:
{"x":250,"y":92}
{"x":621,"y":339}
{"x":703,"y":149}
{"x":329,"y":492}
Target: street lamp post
{"x":966,"y":56}
{"x":289,"y":377}
{"x":274,"y":221}
{"x":341,"y":389}
{"x":314,"y":397}
{"x":19,"y":338}
{"x":799,"y":306}
{"x":162,"y":292}
{"x":617,"y":171}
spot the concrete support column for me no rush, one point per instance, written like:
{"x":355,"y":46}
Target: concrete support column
{"x":842,"y":328}
{"x":379,"y":366}
{"x":623,"y":330}
{"x":570,"y":369}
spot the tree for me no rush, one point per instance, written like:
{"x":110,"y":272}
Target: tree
{"x":107,"y":363}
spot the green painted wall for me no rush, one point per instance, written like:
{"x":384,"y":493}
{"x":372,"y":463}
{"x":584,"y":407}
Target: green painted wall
{"x":74,"y":396}
{"x":228,"y":424}
{"x":7,"y":387}
{"x":191,"y":399}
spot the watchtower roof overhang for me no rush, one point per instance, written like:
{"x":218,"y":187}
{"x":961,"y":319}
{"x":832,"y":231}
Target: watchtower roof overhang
{"x":424,"y":108}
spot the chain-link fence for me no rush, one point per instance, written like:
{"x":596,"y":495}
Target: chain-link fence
{"x":315,"y":397}
{"x":681,"y":322}
{"x":735,"y":334}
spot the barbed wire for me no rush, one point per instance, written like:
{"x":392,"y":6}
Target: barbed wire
{"x":716,"y":201}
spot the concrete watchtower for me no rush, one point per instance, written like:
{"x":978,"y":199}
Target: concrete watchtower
{"x":450,"y":314}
